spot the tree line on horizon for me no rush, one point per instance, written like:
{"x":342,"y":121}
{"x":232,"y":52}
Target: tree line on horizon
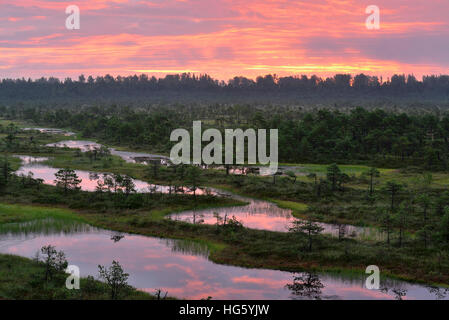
{"x":143,"y":85}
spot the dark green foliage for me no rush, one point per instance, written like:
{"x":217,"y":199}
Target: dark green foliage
{"x":377,"y":138}
{"x":308,"y":227}
{"x":24,"y":279}
{"x":191,"y":86}
{"x":335,"y":177}
{"x":67,"y":179}
{"x":116,"y":279}
{"x":54,"y":261}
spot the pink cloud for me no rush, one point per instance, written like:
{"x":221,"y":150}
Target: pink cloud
{"x":223,"y":38}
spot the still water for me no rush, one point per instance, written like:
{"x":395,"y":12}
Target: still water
{"x":183,"y":269}
{"x":128,"y":156}
{"x":89,"y":180}
{"x":51,"y":131}
{"x":264,"y":215}
{"x":257,"y":214}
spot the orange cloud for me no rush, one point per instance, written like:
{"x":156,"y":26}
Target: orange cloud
{"x":224,"y":38}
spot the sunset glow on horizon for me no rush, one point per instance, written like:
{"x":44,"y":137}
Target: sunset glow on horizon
{"x":223,"y":38}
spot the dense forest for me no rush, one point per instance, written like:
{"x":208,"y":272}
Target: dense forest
{"x":182,"y":87}
{"x":378,"y":137}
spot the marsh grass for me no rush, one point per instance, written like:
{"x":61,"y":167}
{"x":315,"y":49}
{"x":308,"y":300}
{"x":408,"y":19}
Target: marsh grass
{"x":46,"y":226}
{"x":298,"y":208}
{"x":15,"y":213}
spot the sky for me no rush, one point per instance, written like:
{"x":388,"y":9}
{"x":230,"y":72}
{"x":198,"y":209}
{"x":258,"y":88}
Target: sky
{"x":223,"y":38}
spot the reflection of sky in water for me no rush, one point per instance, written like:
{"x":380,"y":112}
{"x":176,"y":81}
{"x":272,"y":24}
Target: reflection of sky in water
{"x":182,"y":268}
{"x":51,"y":131}
{"x":42,"y":227}
{"x":258,"y":214}
{"x":261,"y":170}
{"x":263,"y":215}
{"x":30,"y":159}
{"x":89,"y":179}
{"x":84,"y":146}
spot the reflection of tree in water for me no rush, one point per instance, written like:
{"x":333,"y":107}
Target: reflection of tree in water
{"x":45,"y":227}
{"x":188,"y":247}
{"x":439,"y":293}
{"x":117,"y":237}
{"x":94,"y":176}
{"x":254,"y":208}
{"x":197,"y":218}
{"x":397,"y":289}
{"x":399,"y":293}
{"x":307,"y":285}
